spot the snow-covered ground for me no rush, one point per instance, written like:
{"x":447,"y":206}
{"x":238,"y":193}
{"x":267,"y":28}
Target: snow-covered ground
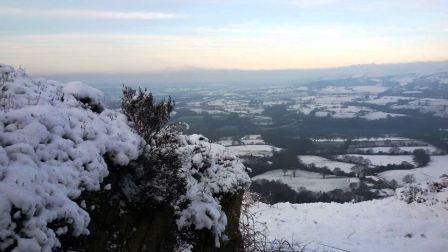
{"x":226,"y":141}
{"x":353,"y":90}
{"x":384,"y":100}
{"x":384,"y":225}
{"x":435,"y":168}
{"x":321,"y":162}
{"x":252,"y":139}
{"x":437,"y":107}
{"x":259,"y":150}
{"x":379,"y":160}
{"x":311,"y":181}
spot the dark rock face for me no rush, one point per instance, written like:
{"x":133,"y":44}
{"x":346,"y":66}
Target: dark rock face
{"x":231,"y":205}
{"x":115,"y":227}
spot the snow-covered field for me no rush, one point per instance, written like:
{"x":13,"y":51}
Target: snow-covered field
{"x":311,"y":181}
{"x":384,"y":100}
{"x":436,"y":167}
{"x":323,"y":162}
{"x":378,"y":160}
{"x":225,"y":141}
{"x":252,"y":139}
{"x":259,"y":150}
{"x":380,"y":225}
{"x":353,"y":90}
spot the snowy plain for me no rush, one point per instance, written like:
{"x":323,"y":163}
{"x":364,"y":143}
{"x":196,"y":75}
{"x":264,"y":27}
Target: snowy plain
{"x":256,"y":150}
{"x":379,"y":160}
{"x":379,"y":225}
{"x":321,"y":162}
{"x":311,"y":181}
{"x":435,"y":168}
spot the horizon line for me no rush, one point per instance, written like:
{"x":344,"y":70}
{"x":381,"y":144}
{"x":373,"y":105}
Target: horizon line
{"x":199,"y":69}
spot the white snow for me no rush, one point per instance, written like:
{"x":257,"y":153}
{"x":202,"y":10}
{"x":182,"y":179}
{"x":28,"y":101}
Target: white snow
{"x":435,"y":168}
{"x":385,"y":225}
{"x":376,"y":115}
{"x":80,"y":91}
{"x":373,"y":89}
{"x":379,"y":160}
{"x":375,"y":139}
{"x":384,"y":100}
{"x":223,"y":174}
{"x":226,"y":141}
{"x":310,"y":181}
{"x":51,"y":149}
{"x":53,"y":146}
{"x":321,"y":162}
{"x":252,"y":140}
{"x":259,"y":150}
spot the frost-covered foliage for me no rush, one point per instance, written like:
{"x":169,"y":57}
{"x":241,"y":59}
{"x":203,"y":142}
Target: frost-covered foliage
{"x":187,"y":172}
{"x":53,"y":145}
{"x":57,"y":141}
{"x":147,"y":116}
{"x":153,"y":178}
{"x":210,"y":171}
{"x":429,"y":193}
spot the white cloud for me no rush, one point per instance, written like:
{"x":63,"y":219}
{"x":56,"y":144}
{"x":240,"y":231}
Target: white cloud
{"x":87,"y":14}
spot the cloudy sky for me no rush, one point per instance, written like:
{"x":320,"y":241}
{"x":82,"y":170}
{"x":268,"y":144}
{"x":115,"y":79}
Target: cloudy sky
{"x":141,"y":36}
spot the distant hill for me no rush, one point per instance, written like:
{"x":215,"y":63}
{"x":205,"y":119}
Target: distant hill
{"x":256,"y":77}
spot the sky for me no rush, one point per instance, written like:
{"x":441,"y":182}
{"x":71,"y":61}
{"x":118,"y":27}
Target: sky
{"x":144,"y":36}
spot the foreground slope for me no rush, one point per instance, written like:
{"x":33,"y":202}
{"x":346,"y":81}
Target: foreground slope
{"x":390,"y":224}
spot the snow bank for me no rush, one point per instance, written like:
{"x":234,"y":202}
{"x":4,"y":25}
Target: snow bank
{"x":83,"y":92}
{"x":53,"y":147}
{"x":389,"y":224}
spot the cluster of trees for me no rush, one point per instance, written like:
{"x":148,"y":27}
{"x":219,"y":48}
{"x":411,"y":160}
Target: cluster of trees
{"x":355,"y":160}
{"x":402,"y":166}
{"x":421,"y":158}
{"x":325,"y":171}
{"x":272,"y":192}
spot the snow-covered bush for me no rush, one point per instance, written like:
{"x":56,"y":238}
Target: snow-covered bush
{"x":430,"y":193}
{"x":210,"y":172}
{"x":58,"y":143}
{"x":52,"y":148}
{"x":188,"y":172}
